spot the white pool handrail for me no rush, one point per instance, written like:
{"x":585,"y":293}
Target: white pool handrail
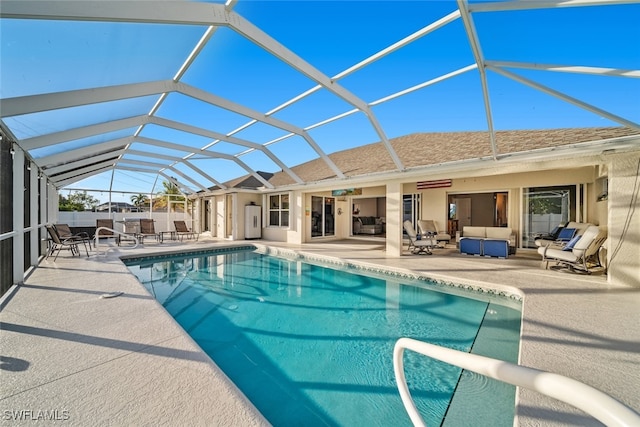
{"x":599,"y":405}
{"x":114,"y":232}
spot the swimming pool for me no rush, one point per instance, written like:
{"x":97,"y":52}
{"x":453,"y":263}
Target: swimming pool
{"x":311,"y":345}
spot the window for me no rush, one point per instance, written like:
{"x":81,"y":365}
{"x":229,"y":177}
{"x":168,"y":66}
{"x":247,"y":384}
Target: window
{"x":279,"y":210}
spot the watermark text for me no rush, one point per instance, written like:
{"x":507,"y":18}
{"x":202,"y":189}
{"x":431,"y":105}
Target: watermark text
{"x":35,"y":415}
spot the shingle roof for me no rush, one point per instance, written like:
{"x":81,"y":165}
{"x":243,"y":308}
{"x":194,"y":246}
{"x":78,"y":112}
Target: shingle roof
{"x":246,"y":181}
{"x":424,"y":149}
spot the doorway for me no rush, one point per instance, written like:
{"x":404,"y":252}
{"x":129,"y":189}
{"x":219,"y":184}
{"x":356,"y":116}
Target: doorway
{"x":462,"y":209}
{"x":207,"y":216}
{"x":323,"y":216}
{"x":489,"y":209}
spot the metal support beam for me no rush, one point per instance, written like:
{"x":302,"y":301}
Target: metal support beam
{"x":162,"y":166}
{"x":74,"y":98}
{"x":18,"y":214}
{"x":84,"y":152}
{"x":175,"y":159}
{"x":81,"y":132}
{"x":477,"y":54}
{"x":81,"y":172}
{"x":567,"y":98}
{"x":85,"y":162}
{"x":542,"y":4}
{"x":576,"y":69}
{"x":34,"y":186}
{"x":71,"y":180}
{"x":258,"y":117}
{"x":207,"y":153}
{"x":231,"y":139}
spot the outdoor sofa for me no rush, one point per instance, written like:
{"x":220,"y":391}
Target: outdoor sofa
{"x":487,"y":241}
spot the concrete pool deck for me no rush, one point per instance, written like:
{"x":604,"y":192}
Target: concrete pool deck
{"x":70,"y":354}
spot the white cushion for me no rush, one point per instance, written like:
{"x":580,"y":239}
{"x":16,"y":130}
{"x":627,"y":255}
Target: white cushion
{"x":498,"y":233}
{"x":555,"y":253}
{"x":470,"y":231}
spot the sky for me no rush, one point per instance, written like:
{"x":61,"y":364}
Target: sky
{"x":45,"y":56}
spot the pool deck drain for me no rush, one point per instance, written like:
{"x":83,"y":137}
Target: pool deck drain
{"x":68,"y":354}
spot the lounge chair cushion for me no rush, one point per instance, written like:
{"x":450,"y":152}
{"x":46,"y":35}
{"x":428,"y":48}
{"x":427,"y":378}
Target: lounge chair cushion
{"x":428,"y":227}
{"x":579,"y":227}
{"x":569,"y":246}
{"x":566,"y":234}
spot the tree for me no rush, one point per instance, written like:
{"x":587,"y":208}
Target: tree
{"x":77,"y":201}
{"x":545,"y":205}
{"x":170,"y":189}
{"x":139,"y":200}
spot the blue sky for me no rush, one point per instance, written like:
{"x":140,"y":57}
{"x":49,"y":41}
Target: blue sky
{"x":43,"y":56}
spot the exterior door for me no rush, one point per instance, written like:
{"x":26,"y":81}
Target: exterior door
{"x":323,"y":216}
{"x":544,"y":209}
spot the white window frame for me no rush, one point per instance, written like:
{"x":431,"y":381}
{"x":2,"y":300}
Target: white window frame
{"x":279,"y":209}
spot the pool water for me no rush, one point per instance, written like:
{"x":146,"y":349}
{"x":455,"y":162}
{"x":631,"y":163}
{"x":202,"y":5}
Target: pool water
{"x":312,"y":345}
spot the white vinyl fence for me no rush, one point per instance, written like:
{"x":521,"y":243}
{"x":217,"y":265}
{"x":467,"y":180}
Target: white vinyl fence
{"x":163,"y":220}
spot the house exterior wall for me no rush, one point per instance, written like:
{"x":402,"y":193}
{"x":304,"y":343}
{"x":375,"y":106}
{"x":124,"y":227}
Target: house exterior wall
{"x":435,"y":201}
{"x":297,"y":220}
{"x":624,"y":220}
{"x":623,"y":246}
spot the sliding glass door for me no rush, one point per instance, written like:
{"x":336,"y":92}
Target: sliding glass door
{"x":323,"y":216}
{"x":411,"y":209}
{"x":544,"y":209}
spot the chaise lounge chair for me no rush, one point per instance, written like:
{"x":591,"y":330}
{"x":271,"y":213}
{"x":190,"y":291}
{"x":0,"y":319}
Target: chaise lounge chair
{"x":147,"y":229}
{"x":580,"y":253}
{"x":59,"y":243}
{"x":417,"y":245}
{"x":428,"y":228}
{"x":562,"y":234}
{"x":182,"y":230}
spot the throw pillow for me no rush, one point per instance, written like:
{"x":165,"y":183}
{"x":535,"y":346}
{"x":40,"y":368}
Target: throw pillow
{"x":566,"y":234}
{"x":571,"y":243}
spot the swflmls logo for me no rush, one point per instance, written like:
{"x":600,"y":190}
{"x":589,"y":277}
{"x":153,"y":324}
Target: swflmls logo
{"x":31,"y":415}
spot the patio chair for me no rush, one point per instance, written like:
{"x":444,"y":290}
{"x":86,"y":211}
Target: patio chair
{"x":580,"y":253}
{"x":58,"y":243}
{"x":562,"y":234}
{"x":105,"y":234}
{"x":418,"y":245}
{"x":182,"y":230}
{"x":147,"y":229}
{"x":427,"y":228}
{"x":64,"y":231}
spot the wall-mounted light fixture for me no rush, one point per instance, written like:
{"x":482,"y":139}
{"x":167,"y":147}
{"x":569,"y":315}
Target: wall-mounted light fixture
{"x":339,"y":211}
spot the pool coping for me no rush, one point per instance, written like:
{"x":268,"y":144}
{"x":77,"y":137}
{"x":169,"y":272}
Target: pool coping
{"x":484,"y":290}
